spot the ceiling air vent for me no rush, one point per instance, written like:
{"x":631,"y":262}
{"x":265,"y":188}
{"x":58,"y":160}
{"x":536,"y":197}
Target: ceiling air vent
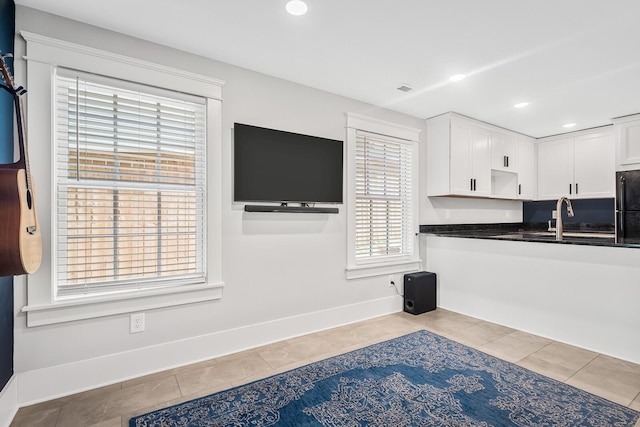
{"x":404,"y":88}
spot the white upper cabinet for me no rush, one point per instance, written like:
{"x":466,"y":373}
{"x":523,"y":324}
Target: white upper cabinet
{"x":627,"y":134}
{"x":458,"y":157}
{"x":594,"y":165}
{"x":555,"y":168}
{"x":466,"y":157}
{"x":526,"y":168}
{"x":504,"y":151}
{"x":470,"y":161}
{"x":579,"y":167}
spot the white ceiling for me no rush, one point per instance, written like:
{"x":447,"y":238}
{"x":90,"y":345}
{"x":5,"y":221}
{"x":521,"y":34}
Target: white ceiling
{"x":572,"y":60}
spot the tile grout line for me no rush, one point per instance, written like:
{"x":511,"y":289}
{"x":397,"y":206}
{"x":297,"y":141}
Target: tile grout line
{"x":537,"y":351}
{"x":175,"y":376}
{"x":633,"y":400}
{"x":584,"y":367}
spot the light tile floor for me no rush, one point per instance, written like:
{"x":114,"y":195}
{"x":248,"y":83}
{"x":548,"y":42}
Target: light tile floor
{"x":114,"y":405}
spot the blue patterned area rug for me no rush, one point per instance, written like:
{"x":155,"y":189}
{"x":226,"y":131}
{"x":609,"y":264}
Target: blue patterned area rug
{"x":420,"y":379}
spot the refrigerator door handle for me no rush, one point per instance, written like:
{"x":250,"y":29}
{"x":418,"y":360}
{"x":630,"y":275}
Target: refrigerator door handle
{"x":621,"y":194}
{"x":621,"y":215}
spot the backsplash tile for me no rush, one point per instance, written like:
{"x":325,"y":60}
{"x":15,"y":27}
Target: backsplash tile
{"x":598,"y":211}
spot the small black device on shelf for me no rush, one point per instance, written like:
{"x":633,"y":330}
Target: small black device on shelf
{"x":275,"y":166}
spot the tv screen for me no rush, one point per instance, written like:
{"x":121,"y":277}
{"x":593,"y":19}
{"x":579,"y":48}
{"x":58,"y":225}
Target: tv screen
{"x":277,"y":166}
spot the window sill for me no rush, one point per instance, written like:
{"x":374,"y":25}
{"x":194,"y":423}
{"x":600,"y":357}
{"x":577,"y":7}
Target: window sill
{"x":87,"y":308}
{"x":379,"y":269}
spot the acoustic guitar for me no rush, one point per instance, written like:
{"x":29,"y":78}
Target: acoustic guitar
{"x":20,"y":238}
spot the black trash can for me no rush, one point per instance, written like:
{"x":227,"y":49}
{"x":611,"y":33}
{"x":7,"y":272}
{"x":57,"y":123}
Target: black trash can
{"x":419,"y":292}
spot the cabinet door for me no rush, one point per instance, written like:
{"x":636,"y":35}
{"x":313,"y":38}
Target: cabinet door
{"x":438,"y":155}
{"x":504,"y":151}
{"x":526,"y":169}
{"x":481,"y":161}
{"x":555,"y":169}
{"x":628,"y":135}
{"x":461,"y":154}
{"x":594,"y":166}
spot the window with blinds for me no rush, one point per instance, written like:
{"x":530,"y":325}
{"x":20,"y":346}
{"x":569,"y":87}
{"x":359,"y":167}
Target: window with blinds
{"x":383,"y":198}
{"x":130,"y":180}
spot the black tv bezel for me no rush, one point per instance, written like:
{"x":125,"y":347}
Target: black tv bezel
{"x":282,"y":207}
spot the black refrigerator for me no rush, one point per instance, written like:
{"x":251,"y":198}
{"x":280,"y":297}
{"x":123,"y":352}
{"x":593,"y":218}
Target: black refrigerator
{"x":628,"y":206}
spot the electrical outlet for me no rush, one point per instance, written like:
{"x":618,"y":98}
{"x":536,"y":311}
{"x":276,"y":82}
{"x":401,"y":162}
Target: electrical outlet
{"x":136,"y":324}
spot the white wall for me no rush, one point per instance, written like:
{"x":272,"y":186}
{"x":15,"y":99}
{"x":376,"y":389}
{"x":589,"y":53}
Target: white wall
{"x":587,"y":296}
{"x":461,"y":210}
{"x":284,"y":273}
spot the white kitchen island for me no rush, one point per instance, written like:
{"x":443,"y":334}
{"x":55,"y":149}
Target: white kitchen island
{"x":587,"y":296}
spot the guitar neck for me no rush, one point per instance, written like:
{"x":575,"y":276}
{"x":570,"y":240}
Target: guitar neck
{"x":23,"y":161}
{"x":17,"y":92}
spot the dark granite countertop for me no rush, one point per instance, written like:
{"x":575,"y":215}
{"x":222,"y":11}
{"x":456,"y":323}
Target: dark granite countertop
{"x":574,"y":234}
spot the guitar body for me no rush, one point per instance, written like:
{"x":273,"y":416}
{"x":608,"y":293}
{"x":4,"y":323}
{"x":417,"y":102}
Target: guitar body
{"x":20,"y":238}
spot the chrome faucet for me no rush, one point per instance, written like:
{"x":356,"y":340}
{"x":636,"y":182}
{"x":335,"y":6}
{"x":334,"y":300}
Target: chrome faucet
{"x":559,"y":227}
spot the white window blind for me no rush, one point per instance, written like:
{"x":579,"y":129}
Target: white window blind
{"x":383,"y":180}
{"x":130,"y":179}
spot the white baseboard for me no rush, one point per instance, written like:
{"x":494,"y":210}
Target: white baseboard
{"x":9,"y":402}
{"x":56,"y":381}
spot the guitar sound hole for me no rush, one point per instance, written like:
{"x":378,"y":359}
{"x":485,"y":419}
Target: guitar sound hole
{"x":29,"y":199}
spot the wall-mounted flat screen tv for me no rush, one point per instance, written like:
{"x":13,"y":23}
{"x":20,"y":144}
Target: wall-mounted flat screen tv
{"x":277,"y":166}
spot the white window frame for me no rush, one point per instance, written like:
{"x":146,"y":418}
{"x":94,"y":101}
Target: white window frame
{"x":44,"y":55}
{"x":402,"y":264}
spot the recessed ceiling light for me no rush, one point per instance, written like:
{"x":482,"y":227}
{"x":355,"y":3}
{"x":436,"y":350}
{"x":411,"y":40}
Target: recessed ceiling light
{"x":457,"y":77}
{"x":297,"y":7}
{"x":568,"y":125}
{"x":521,"y":104}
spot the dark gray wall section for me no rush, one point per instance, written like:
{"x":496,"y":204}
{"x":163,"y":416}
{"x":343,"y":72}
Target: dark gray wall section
{"x":7,"y":25}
